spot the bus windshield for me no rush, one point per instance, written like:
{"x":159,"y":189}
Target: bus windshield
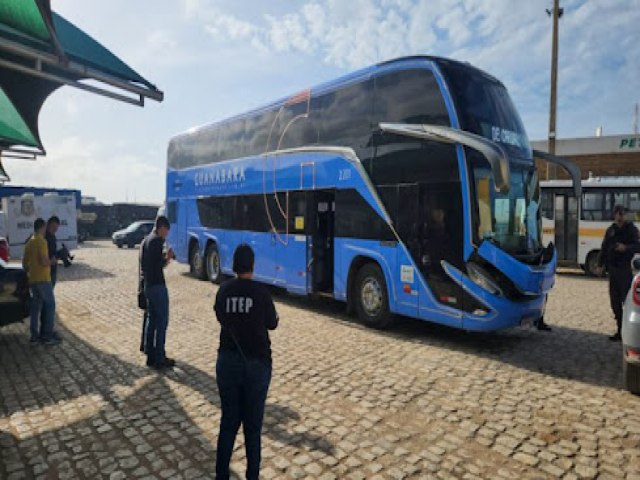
{"x":485,"y":108}
{"x":510,"y":220}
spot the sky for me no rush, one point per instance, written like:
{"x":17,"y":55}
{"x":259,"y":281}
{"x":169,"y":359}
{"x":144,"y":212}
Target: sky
{"x":217,"y":58}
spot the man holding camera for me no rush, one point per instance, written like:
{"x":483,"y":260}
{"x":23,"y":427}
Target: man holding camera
{"x":153,"y":260}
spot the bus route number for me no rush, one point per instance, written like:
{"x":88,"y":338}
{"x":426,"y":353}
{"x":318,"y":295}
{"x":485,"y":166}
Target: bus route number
{"x":344,"y":174}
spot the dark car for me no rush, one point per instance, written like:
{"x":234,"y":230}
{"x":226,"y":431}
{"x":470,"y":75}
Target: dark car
{"x":133,"y":234}
{"x":14,"y":293}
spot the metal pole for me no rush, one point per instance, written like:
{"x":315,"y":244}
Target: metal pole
{"x":556,"y":14}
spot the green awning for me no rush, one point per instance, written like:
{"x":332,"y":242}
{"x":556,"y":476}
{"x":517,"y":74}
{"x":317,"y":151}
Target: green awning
{"x":13,"y":128}
{"x":41,"y":51}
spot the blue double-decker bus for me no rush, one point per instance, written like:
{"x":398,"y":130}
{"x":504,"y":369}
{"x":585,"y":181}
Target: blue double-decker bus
{"x":407,"y":188}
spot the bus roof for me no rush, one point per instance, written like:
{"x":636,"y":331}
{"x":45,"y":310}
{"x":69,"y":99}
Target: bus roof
{"x":345,"y":79}
{"x":595,"y":182}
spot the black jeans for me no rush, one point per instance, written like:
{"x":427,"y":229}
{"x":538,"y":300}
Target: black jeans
{"x":619,"y":284}
{"x":243,"y":386}
{"x":157,"y":322}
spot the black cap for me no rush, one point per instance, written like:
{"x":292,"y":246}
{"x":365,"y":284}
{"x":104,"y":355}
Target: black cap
{"x":243,"y":259}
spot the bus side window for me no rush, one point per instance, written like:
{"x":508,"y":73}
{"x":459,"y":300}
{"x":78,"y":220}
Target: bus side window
{"x":546,"y":206}
{"x":634,"y":206}
{"x":345,"y":115}
{"x":258,"y":129}
{"x":172,"y":212}
{"x":409,"y":97}
{"x":594,"y":206}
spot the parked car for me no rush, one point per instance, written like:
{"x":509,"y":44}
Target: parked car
{"x":14,"y":293}
{"x":133,"y":234}
{"x":631,"y":332}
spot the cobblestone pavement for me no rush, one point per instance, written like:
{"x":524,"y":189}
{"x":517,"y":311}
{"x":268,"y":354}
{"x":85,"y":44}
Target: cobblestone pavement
{"x":418,"y":401}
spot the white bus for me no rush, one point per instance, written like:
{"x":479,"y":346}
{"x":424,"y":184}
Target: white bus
{"x":577,"y":228}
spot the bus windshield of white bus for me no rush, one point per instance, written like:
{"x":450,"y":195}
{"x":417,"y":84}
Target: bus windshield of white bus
{"x":510,"y":220}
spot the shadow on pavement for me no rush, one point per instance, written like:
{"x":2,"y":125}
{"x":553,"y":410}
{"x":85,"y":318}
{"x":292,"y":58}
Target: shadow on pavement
{"x":279,"y":419}
{"x":78,"y":402}
{"x":579,"y":274}
{"x":81,"y":271}
{"x":565,"y":353}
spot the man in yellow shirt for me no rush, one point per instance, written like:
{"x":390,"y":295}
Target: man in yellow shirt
{"x":37,"y":264}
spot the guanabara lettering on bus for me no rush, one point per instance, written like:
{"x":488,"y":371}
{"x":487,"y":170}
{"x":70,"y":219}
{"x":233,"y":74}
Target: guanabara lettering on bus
{"x":407,"y":188}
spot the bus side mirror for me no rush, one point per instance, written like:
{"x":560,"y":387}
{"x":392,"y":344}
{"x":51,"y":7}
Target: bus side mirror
{"x":571,"y":168}
{"x":493,"y":152}
{"x":635,"y":263}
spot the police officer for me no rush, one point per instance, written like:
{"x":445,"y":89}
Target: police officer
{"x":619,"y":244}
{"x":243,"y":371}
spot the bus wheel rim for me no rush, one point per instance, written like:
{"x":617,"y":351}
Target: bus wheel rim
{"x":371,"y":296}
{"x":213,"y":265}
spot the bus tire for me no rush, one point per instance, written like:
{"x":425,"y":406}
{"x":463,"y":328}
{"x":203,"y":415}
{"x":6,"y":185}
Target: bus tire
{"x":196,"y":265}
{"x":371,"y":298}
{"x":212,"y":261}
{"x":591,"y":267}
{"x":631,"y":376}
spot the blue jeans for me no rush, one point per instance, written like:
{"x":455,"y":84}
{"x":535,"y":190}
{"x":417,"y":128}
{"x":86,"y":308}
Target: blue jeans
{"x":158,"y":320}
{"x":42,"y":302}
{"x":243,"y":387}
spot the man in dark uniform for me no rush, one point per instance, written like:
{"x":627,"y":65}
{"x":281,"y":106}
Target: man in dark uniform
{"x":619,"y":244}
{"x":52,"y":252}
{"x":246,"y":312}
{"x":52,"y":246}
{"x":154,"y":259}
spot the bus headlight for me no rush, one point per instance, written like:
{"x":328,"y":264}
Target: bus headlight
{"x":481,"y":277}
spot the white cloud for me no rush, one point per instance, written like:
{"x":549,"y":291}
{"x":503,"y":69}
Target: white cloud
{"x":109,"y":175}
{"x":216,"y":58}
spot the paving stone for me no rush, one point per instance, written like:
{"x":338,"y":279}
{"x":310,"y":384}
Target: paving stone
{"x":418,"y":401}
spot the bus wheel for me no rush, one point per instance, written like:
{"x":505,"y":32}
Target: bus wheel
{"x":372,"y":301}
{"x":196,"y":265}
{"x":591,"y":266}
{"x":213,"y":263}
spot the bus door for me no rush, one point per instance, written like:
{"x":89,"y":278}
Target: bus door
{"x":321,"y":215}
{"x":291,"y":248}
{"x":566,"y":226}
{"x":441,"y":240}
{"x":177,"y":215}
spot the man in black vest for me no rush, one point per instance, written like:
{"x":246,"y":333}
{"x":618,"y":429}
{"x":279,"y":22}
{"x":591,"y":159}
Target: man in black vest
{"x":619,"y":244}
{"x":243,"y":371}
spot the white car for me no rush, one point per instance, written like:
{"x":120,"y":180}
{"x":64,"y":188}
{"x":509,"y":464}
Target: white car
{"x":631,"y":332}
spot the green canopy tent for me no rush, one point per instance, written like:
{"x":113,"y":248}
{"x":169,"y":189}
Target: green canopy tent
{"x":40,"y":51}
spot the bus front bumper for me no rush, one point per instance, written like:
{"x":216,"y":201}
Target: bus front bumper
{"x":506,"y":313}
